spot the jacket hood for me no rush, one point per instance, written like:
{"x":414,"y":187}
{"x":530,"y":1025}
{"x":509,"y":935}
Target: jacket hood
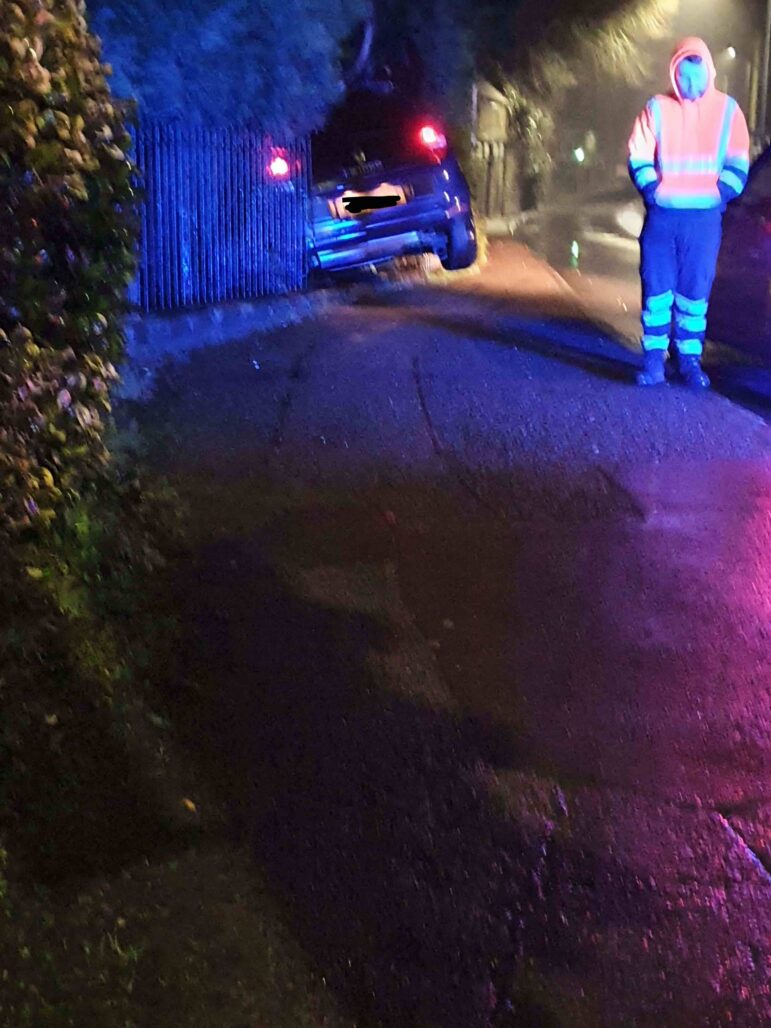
{"x":692,"y":46}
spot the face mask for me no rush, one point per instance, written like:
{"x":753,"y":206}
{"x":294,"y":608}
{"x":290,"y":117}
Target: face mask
{"x":692,"y":78}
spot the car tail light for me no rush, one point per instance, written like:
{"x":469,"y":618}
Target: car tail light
{"x":434,"y":140}
{"x":279,"y":167}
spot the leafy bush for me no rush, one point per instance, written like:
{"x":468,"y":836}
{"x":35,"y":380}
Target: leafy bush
{"x":276,"y":62}
{"x":84,"y":630}
{"x":81,"y":536}
{"x":533,"y":130}
{"x":67,"y":226}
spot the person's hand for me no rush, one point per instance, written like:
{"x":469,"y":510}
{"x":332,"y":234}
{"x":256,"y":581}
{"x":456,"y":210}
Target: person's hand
{"x":649,"y":194}
{"x":726,"y":194}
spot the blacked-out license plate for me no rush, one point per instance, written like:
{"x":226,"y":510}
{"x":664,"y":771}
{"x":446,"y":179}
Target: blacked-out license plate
{"x":352,"y":204}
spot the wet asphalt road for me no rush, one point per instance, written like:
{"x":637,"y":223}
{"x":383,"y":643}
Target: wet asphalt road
{"x":594,"y":246}
{"x":484,"y":637}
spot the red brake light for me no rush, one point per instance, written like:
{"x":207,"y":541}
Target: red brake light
{"x":432,"y":138}
{"x":434,"y":141}
{"x":279,"y":167}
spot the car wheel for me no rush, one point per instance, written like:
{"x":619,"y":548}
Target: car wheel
{"x":461,"y":244}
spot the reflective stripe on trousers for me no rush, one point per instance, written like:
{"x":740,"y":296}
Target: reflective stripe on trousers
{"x":678,"y":258}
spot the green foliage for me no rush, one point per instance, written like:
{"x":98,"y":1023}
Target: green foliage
{"x":67,"y":224}
{"x":429,"y":46}
{"x":533,"y":51}
{"x":533,"y":47}
{"x":541,"y":44}
{"x":92,"y":791}
{"x":82,"y":539}
{"x":83,"y":619}
{"x":276,"y":62}
{"x":532,"y":127}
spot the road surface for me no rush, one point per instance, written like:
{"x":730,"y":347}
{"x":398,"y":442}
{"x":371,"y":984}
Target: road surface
{"x":594,"y":246}
{"x":483,"y":637}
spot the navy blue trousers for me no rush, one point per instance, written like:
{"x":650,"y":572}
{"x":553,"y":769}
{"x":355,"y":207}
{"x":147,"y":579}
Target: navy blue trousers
{"x":678,"y":258}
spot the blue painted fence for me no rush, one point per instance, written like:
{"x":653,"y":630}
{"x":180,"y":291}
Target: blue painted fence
{"x":215,"y":224}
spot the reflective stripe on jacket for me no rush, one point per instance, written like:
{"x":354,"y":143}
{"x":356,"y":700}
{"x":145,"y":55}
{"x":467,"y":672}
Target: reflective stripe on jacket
{"x":695,"y":153}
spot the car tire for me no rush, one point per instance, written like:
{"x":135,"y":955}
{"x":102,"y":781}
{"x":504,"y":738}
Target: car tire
{"x":461,"y":244}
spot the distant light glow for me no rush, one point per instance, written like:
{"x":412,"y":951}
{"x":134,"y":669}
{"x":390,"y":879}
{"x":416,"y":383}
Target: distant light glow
{"x":575,"y":250}
{"x":580,"y":154}
{"x":731,"y":53}
{"x":279,"y":167}
{"x":630,"y":220}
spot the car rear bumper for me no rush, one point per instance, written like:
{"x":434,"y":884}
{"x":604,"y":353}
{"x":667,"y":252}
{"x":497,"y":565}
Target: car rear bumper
{"x":372,"y":251}
{"x":348,"y":244}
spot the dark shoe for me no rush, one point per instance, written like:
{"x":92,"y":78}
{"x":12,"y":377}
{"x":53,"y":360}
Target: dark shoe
{"x":692,"y":374}
{"x":653,"y":368}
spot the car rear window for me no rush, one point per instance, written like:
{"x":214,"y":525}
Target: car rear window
{"x":367,"y":130}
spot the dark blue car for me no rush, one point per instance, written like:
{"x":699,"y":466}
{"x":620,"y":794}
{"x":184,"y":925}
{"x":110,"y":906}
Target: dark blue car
{"x":385,"y":185}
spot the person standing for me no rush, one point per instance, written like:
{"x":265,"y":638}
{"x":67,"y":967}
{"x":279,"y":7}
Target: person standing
{"x":688,"y":158}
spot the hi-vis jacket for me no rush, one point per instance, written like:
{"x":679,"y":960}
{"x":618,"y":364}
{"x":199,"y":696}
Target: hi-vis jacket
{"x":690,"y":154}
